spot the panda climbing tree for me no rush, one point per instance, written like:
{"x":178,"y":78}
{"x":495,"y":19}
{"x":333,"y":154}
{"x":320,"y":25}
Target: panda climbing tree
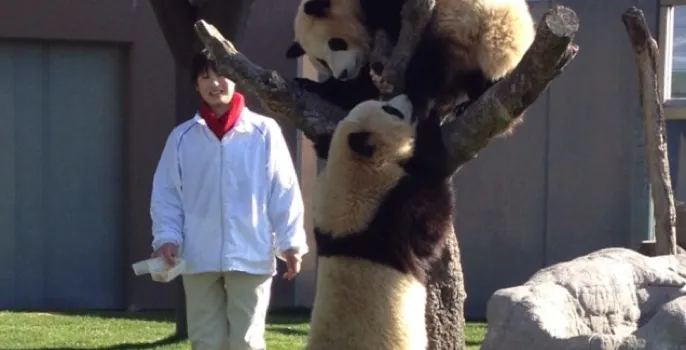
{"x":464,"y":135}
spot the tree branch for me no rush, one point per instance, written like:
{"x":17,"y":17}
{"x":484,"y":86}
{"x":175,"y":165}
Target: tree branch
{"x":466,"y":135}
{"x":379,"y":56}
{"x":504,"y":103}
{"x":646,"y":54}
{"x":415,"y":16}
{"x":229,"y":17}
{"x":283,"y":99}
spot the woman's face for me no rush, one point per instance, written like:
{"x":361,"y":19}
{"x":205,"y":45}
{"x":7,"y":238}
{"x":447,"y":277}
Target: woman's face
{"x":215,"y":89}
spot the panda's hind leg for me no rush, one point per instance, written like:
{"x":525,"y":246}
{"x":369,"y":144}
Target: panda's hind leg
{"x":473,"y":82}
{"x":470,"y":84}
{"x":508,"y":32}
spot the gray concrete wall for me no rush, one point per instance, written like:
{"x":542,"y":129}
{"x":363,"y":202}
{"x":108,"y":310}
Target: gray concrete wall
{"x":572,"y":179}
{"x":147,"y":105}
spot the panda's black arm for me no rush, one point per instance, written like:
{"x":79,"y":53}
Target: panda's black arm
{"x":345,"y":94}
{"x":321,"y":146}
{"x":325,"y":89}
{"x":430,"y":155}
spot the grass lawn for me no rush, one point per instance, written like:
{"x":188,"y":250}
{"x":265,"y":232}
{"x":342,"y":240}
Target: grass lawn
{"x":142,"y":330}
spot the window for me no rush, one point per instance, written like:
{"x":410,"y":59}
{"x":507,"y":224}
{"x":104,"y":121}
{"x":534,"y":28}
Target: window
{"x":672,"y":70}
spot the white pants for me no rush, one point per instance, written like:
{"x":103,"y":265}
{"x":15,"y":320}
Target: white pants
{"x":227,"y":311}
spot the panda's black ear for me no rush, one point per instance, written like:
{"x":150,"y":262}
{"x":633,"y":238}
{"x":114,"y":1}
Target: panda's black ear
{"x":393,"y":111}
{"x":317,"y":8}
{"x":295,"y":50}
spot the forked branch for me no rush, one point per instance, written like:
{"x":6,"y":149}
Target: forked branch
{"x":415,"y":16}
{"x":465,"y":136}
{"x":504,"y":102}
{"x":284,"y":99}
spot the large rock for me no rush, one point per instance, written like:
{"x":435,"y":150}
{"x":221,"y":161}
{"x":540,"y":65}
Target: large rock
{"x":613,"y":298}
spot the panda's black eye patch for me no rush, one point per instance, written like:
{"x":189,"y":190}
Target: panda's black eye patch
{"x":393,"y":111}
{"x":338,"y":44}
{"x":359,"y":143}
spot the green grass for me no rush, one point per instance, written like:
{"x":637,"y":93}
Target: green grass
{"x":142,"y":330}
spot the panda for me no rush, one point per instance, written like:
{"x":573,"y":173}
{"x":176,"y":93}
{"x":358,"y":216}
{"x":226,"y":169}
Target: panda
{"x":467,"y":47}
{"x":382,"y":211}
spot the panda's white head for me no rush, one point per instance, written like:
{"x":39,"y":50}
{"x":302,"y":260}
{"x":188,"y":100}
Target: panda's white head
{"x":376,"y":133}
{"x":332,"y":36}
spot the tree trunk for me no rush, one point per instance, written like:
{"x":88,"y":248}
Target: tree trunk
{"x":445,"y":300}
{"x":646,"y":54}
{"x":464,"y":136}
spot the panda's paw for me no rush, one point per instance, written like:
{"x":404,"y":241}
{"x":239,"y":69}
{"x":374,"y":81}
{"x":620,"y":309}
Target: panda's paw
{"x":386,"y":75}
{"x":392,"y":74}
{"x":377,"y":79}
{"x":304,"y":83}
{"x":461,"y":108}
{"x":380,"y":80}
{"x":377,"y":68}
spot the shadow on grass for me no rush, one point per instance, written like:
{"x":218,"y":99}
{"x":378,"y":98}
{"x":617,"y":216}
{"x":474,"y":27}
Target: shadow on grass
{"x":144,"y":315}
{"x":288,"y":316}
{"x":288,"y":321}
{"x":285,"y":316}
{"x":289,"y":332}
{"x":172,"y":339}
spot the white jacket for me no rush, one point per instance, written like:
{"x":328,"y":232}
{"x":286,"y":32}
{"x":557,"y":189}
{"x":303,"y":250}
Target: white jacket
{"x":229,"y":205}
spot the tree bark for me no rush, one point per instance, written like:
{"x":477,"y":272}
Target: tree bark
{"x":175,"y":19}
{"x":646,"y":54}
{"x":445,"y":300}
{"x":415,"y":16}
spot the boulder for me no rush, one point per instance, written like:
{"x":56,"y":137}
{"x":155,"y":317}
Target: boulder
{"x":614,"y":298}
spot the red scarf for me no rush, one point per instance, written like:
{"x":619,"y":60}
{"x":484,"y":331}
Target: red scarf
{"x":225,"y":122}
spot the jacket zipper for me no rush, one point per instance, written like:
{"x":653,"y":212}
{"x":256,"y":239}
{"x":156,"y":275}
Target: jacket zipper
{"x":221,"y":204}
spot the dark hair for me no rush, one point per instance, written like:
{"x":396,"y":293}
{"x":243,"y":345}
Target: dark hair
{"x":200,"y":64}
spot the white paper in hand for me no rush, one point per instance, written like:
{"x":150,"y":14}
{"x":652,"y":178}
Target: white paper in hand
{"x":158,"y":269}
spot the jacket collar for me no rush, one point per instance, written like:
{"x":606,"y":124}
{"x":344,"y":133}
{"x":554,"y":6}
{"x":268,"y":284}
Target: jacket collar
{"x":236,"y":111}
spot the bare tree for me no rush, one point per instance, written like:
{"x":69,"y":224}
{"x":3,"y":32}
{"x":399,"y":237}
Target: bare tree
{"x":464,"y":136}
{"x":646,"y":54}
